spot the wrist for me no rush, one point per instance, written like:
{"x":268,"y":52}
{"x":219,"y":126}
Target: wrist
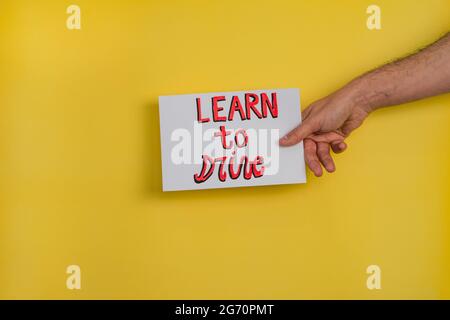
{"x":357,"y":95}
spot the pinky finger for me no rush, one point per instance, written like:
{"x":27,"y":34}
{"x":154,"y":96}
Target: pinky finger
{"x":339,"y":146}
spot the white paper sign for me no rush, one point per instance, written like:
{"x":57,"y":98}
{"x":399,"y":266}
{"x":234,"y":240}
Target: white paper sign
{"x":229,"y":139}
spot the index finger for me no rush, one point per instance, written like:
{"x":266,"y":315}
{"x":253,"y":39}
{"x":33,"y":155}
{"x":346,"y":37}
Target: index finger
{"x":303,"y":130}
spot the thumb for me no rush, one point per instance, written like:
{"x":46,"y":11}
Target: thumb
{"x":298,"y":134}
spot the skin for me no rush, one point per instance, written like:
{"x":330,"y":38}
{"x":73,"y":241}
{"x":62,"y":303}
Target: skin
{"x":329,"y":121}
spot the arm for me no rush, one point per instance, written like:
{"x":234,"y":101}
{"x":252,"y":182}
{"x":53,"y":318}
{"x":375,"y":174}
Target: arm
{"x":327,"y":122}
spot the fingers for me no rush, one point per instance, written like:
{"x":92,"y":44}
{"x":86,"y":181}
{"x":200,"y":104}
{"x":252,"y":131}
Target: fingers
{"x":298,"y":134}
{"x":338,"y":146}
{"x":323,"y":151}
{"x":328,"y":137}
{"x":317,"y":153}
{"x":333,"y":138}
{"x":311,"y":157}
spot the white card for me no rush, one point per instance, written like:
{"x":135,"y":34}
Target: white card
{"x":229,"y":139}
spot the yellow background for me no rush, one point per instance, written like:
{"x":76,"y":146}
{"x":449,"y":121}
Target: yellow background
{"x":80,"y":154}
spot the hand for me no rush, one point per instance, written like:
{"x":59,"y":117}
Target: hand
{"x":326,"y":123}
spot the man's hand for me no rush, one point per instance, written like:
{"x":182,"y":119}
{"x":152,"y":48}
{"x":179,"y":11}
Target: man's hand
{"x":326,"y":123}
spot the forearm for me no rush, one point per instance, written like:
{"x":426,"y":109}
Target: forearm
{"x":423,"y":74}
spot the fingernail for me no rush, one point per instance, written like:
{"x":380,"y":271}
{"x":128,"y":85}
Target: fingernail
{"x":283,"y":140}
